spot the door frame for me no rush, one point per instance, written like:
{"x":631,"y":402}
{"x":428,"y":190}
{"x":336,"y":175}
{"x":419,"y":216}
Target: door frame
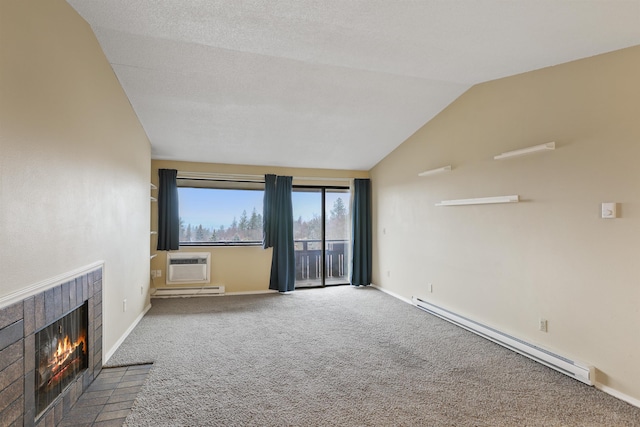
{"x":323,"y":218}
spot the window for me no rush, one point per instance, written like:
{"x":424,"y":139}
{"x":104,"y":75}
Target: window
{"x":220,"y":216}
{"x":219,"y":209}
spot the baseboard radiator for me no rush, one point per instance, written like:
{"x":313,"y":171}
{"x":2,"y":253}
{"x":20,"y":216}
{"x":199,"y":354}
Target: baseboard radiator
{"x":184,"y":292}
{"x":568,"y":367}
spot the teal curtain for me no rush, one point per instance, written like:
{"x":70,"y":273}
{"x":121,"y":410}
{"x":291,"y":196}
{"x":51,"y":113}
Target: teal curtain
{"x":362,"y":234}
{"x":278,"y":228}
{"x":168,"y":213}
{"x":268,"y":205}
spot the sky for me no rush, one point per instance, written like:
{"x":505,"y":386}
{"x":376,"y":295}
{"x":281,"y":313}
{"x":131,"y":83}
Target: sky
{"x":215,"y":207}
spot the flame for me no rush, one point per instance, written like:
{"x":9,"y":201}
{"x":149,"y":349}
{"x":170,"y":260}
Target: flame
{"x":66,"y":348}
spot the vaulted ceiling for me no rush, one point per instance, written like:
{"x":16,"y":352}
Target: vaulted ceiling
{"x":328,"y":83}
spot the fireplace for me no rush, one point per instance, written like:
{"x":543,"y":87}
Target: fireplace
{"x":61,"y":355}
{"x":50,"y":347}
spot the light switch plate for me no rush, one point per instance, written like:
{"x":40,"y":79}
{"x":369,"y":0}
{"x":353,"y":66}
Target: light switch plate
{"x":609,"y":210}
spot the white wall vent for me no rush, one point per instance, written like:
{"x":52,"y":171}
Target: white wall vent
{"x":188,"y":267}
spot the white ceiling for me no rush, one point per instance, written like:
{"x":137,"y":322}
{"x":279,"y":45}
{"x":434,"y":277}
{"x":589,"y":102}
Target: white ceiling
{"x":328,"y":83}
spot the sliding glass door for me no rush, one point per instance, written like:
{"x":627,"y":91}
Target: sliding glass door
{"x":321,"y":229}
{"x":337,"y":222}
{"x":308,"y":232}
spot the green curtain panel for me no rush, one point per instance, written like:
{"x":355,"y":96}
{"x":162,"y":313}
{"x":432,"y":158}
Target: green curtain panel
{"x":362,"y":233}
{"x":168,"y":213}
{"x":278,"y":229}
{"x":268,"y":224}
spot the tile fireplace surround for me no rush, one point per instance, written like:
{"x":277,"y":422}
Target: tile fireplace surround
{"x":18,"y":324}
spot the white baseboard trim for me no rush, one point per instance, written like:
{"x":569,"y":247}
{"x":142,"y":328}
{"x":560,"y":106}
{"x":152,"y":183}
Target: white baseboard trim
{"x":268,"y":291}
{"x":124,"y":336}
{"x":49,"y":283}
{"x":618,"y":394}
{"x":393,"y":294}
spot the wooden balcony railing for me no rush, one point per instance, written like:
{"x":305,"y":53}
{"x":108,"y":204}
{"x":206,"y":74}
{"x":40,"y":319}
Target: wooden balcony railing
{"x":309,"y":268}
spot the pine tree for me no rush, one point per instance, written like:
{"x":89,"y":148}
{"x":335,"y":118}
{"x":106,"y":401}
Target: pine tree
{"x":243,"y":225}
{"x":255,"y":226}
{"x":299,"y":229}
{"x":182,"y":236}
{"x":254,"y":223}
{"x":339,"y":210}
{"x":337,"y":224}
{"x":200,"y":234}
{"x":314,"y":228}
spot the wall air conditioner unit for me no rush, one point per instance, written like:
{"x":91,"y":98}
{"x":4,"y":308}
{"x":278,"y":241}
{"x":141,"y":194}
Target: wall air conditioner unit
{"x":188,"y":267}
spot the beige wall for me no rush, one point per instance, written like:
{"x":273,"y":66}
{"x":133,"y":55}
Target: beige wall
{"x":550,"y":256}
{"x":238,"y":269}
{"x":74,"y":162}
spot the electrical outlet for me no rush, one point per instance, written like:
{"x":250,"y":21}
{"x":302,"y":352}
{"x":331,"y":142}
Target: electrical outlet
{"x":430,"y":287}
{"x":153,"y":274}
{"x":388,"y":273}
{"x":124,"y":305}
{"x":142,"y":290}
{"x":158,"y":273}
{"x":542,"y":326}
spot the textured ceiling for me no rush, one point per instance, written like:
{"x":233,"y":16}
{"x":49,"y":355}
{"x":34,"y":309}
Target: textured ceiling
{"x":328,"y":83}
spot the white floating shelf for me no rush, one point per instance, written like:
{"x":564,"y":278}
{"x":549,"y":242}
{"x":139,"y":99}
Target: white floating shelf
{"x":525,"y":151}
{"x":434,"y":171}
{"x":153,"y":187}
{"x":480,"y":201}
{"x":153,"y":256}
{"x":153,"y":199}
{"x":154,"y":232}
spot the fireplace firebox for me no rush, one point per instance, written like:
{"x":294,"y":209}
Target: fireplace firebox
{"x":61,"y":355}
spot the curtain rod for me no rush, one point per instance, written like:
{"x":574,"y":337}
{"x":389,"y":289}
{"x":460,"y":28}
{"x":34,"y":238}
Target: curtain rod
{"x":220,"y":176}
{"x":248,"y":177}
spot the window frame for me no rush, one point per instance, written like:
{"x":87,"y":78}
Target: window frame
{"x":221,"y":184}
{"x":323,"y":241}
{"x":242,"y":182}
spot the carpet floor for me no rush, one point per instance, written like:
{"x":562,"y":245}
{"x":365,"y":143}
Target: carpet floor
{"x":341,"y":356}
